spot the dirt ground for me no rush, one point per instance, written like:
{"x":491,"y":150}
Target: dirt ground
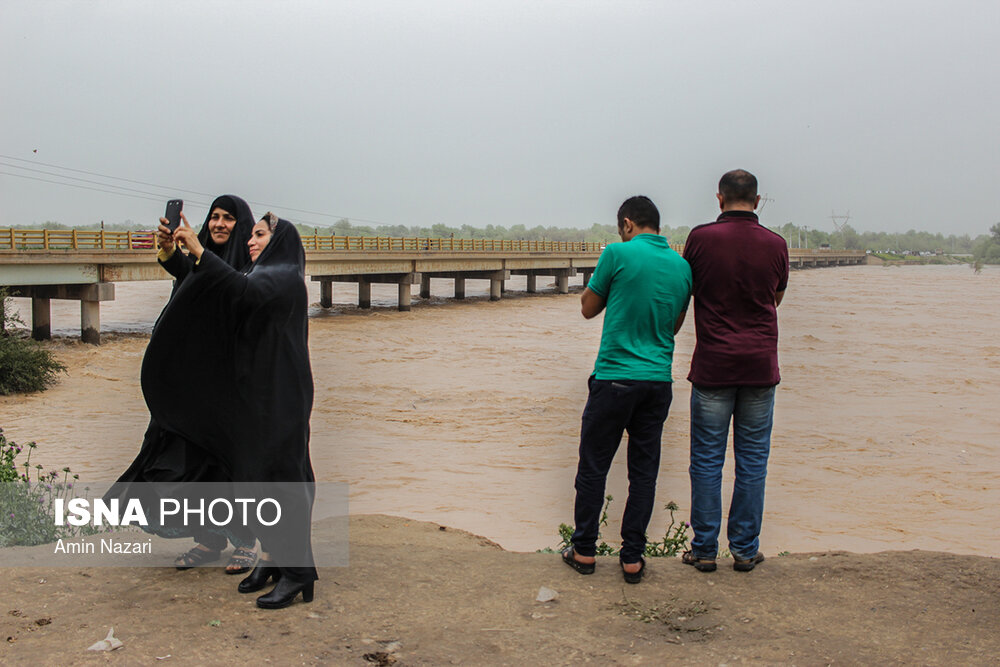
{"x":422,"y":594}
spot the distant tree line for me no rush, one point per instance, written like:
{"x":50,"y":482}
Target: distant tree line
{"x":985,"y":247}
{"x":595,"y":233}
{"x":796,"y":236}
{"x":851,"y":239}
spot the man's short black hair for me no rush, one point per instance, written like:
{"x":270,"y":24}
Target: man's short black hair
{"x":640,"y":210}
{"x":738,"y":185}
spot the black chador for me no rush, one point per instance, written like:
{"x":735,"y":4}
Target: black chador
{"x":234,"y":348}
{"x":227,"y":370}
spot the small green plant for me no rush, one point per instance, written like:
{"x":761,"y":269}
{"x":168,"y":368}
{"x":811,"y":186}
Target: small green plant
{"x":784,"y":553}
{"x":27,"y":498}
{"x":566,"y":535}
{"x":25,"y":366}
{"x":674,"y":541}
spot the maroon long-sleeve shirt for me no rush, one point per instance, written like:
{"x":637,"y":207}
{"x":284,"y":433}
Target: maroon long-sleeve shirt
{"x":737,"y":266}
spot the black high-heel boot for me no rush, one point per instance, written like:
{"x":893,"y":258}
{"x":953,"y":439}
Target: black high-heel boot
{"x":258,"y":579}
{"x":285,"y":593}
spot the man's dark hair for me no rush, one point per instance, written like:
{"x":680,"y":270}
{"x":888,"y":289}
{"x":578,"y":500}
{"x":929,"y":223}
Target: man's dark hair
{"x":640,"y":210}
{"x":738,"y":185}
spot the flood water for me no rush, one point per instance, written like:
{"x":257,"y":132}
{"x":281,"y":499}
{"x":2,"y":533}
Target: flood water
{"x":886,"y":434}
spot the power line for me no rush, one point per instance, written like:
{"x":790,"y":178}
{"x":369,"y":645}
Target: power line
{"x":84,"y":180}
{"x":155,"y":185}
{"x":94,"y":173}
{"x":85,"y":187}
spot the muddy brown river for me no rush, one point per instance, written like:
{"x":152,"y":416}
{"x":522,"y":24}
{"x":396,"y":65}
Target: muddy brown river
{"x":887,"y":420}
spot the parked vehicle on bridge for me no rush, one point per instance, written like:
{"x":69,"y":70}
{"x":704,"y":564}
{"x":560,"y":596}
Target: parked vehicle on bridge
{"x":144,"y":239}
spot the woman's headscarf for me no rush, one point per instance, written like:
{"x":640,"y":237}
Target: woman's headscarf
{"x":234,"y":252}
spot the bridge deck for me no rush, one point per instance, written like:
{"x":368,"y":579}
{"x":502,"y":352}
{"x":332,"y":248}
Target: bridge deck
{"x":84,"y":265}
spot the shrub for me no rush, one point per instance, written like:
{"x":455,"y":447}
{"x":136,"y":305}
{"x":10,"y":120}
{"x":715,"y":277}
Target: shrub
{"x":25,"y":366}
{"x":27,"y":498}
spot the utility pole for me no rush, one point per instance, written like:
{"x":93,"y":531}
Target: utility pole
{"x":839,"y":226}
{"x":806,"y":228}
{"x":763,"y":202}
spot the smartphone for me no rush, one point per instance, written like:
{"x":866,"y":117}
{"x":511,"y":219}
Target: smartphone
{"x":173,"y":214}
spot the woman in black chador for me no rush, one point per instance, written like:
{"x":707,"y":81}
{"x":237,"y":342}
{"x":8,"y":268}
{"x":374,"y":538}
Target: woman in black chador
{"x":228,"y":366}
{"x":166,"y":457}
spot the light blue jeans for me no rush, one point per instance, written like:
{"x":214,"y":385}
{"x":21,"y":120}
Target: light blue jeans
{"x":751,"y":411}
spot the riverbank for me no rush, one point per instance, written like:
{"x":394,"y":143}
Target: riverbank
{"x":466,"y":415}
{"x":422,"y":594}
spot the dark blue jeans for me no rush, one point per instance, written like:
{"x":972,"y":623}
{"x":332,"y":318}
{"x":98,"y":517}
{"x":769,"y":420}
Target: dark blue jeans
{"x":751,"y":412}
{"x":616,"y":406}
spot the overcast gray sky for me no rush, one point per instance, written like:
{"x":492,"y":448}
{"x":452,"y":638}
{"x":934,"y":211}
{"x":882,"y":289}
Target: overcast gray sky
{"x":502,"y":113}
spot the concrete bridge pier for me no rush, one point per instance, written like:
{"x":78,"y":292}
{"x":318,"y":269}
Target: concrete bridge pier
{"x":89,"y":295}
{"x":365,"y":280}
{"x":326,"y":293}
{"x":425,"y":286}
{"x":364,"y":294}
{"x":41,"y":318}
{"x":562,"y":276}
{"x":90,"y":322}
{"x":587,"y":273}
{"x":496,"y":279}
{"x":404,"y":293}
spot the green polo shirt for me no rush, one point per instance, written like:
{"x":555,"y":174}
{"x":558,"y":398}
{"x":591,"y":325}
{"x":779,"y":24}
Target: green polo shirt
{"x":646,"y":286}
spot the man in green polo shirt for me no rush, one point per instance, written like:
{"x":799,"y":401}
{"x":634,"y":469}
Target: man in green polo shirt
{"x":644,"y":287}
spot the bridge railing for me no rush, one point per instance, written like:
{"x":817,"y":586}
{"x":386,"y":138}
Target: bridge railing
{"x":73,"y":239}
{"x":377,"y":243}
{"x":823,"y":251}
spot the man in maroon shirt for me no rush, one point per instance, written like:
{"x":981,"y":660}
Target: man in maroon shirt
{"x":740,"y":271}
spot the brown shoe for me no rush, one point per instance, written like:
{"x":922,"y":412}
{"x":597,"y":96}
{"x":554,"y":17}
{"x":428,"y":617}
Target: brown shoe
{"x":700,"y":564}
{"x":747,"y":565}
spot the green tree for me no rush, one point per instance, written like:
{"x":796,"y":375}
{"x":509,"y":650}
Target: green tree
{"x":987,"y":248}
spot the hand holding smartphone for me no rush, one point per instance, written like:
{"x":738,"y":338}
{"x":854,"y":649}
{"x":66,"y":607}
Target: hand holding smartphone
{"x":173,"y":213}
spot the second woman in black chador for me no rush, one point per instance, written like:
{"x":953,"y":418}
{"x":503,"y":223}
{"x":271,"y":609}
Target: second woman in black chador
{"x":243,"y":338}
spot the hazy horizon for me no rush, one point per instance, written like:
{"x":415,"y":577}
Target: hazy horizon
{"x":501,"y":113}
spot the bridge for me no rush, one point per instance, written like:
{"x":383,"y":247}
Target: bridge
{"x":85,"y":265}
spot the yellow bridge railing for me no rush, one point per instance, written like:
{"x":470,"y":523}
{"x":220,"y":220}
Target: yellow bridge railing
{"x":73,"y":239}
{"x":377,"y":243}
